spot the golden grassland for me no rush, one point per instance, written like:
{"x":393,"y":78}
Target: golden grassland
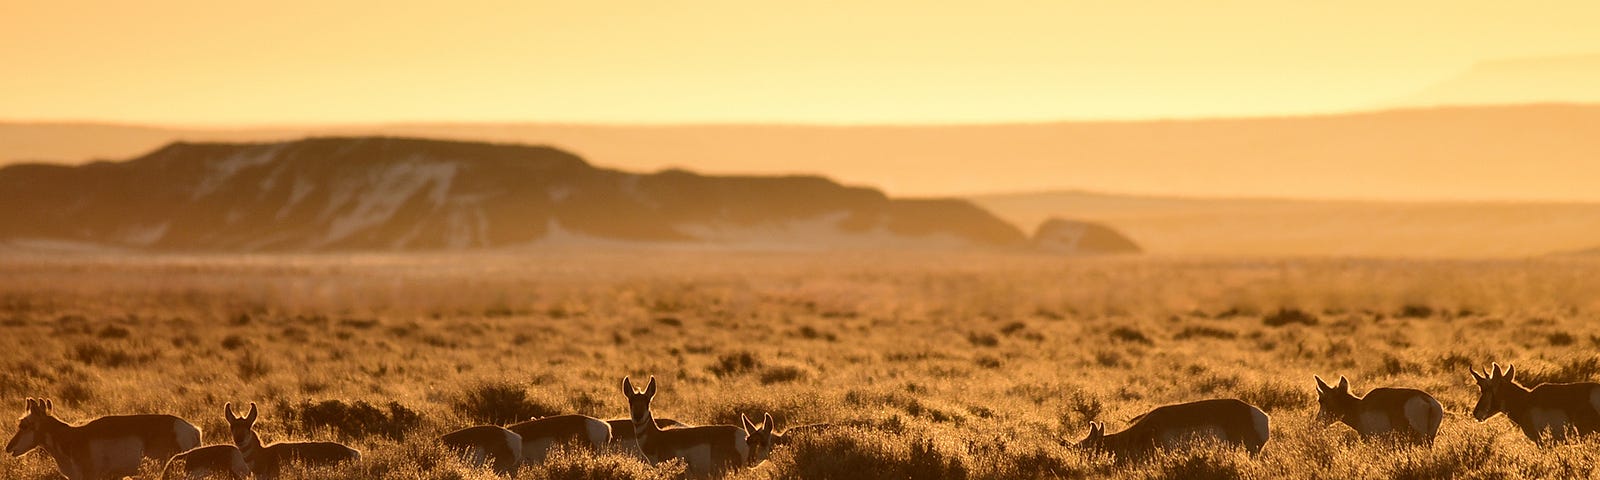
{"x":934,"y":365}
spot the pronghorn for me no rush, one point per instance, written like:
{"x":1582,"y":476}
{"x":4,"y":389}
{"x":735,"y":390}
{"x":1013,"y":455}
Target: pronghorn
{"x":759,"y":439}
{"x":708,"y":449}
{"x":106,"y":447}
{"x":622,"y":431}
{"x":477,"y":444}
{"x":267,"y":460}
{"x":1225,"y":420}
{"x":1409,"y":412}
{"x":1553,"y":409}
{"x":540,"y":434}
{"x":207,"y":462}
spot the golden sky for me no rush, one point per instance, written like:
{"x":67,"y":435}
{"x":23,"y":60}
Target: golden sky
{"x":211,"y":62}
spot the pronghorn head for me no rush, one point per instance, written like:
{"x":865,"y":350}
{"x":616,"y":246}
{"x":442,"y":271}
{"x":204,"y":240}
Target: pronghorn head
{"x":1333,"y":402}
{"x":1096,"y":439}
{"x":29,"y":427}
{"x":639,"y":402}
{"x":760,"y":439}
{"x":243,"y":428}
{"x":1491,"y":390}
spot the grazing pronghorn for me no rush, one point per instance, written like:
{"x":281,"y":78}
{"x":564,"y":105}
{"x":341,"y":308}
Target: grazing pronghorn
{"x":207,"y":462}
{"x":540,"y":434}
{"x":267,"y":460}
{"x":477,"y":444}
{"x":759,"y":439}
{"x":708,"y":449}
{"x":106,"y":447}
{"x":1409,"y":412}
{"x":1548,"y":411}
{"x":622,"y":431}
{"x":1225,"y":420}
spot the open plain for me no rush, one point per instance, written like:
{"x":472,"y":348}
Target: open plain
{"x":927,"y":364}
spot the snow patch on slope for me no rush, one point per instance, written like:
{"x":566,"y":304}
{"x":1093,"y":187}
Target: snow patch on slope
{"x":219,"y":172}
{"x":297,"y":192}
{"x":373,"y":202}
{"x":144,"y":236}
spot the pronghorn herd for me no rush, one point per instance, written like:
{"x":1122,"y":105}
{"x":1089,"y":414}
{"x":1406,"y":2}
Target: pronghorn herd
{"x":115,"y":446}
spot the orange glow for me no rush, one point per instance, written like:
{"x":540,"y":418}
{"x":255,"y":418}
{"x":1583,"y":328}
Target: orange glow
{"x":297,"y":61}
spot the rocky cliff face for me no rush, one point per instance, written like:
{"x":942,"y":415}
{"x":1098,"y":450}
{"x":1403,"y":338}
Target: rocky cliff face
{"x":409,"y":194}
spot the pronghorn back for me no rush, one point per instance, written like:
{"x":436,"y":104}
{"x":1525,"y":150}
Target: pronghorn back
{"x":1561,"y":409}
{"x":707,"y":449}
{"x":478,"y":444}
{"x":207,"y":462}
{"x":1224,"y":420}
{"x":112,"y":445}
{"x":540,"y":435}
{"x":623,"y":436}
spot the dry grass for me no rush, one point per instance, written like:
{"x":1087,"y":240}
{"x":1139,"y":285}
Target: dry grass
{"x":936,"y":365}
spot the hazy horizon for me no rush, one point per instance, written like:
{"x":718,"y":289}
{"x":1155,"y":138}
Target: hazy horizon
{"x":881,"y":63}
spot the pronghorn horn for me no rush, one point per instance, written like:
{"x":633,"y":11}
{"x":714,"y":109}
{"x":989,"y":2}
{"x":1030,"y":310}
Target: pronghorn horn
{"x":48,"y":405}
{"x":1511,"y":372}
{"x":1497,"y":373}
{"x":31,"y":403}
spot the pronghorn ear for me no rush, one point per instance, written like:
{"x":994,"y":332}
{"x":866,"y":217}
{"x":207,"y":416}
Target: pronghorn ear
{"x":1475,"y":375}
{"x":627,"y":387}
{"x":1344,"y":384}
{"x":1321,"y":385}
{"x":227,"y":409}
{"x":767,"y":424}
{"x":650,"y":390}
{"x":1497,"y":373}
{"x":748,"y":425}
{"x":251,"y":417}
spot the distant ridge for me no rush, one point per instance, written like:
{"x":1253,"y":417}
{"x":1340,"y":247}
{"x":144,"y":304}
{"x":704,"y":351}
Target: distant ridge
{"x":1169,"y":225}
{"x":400,"y":194}
{"x":1524,"y":152}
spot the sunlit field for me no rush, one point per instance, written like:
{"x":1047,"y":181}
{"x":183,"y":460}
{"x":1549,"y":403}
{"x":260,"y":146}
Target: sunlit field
{"x":928,"y":364}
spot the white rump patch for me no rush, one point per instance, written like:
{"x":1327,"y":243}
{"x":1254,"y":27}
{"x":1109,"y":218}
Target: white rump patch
{"x":1262,"y":423}
{"x":599,"y":432}
{"x":1419,"y":412}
